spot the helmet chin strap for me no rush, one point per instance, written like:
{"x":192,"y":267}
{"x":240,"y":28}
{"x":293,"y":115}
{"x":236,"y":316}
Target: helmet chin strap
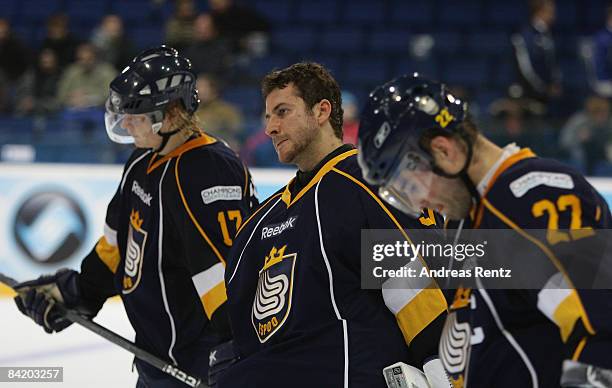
{"x":165,"y":137}
{"x":462,"y":174}
{"x":157,"y":117}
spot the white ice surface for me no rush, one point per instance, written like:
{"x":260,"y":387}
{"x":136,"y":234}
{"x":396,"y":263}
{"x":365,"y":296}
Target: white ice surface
{"x":88,"y":360}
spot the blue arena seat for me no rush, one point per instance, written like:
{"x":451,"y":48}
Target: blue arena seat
{"x":294,"y":39}
{"x":364,"y":11}
{"x":411,"y":14}
{"x":16,"y":130}
{"x":566,"y":14}
{"x":278,"y":12}
{"x":595,"y":14}
{"x":574,"y":73}
{"x":342,"y":40}
{"x":465,"y":13}
{"x":133,"y":12}
{"x":469,"y":73}
{"x":146,"y":37}
{"x":508,"y":16}
{"x":259,"y":67}
{"x":447,"y":42}
{"x":504,"y":74}
{"x":366,"y":71}
{"x":247,"y":98}
{"x":39,"y":10}
{"x":603,"y":169}
{"x":317,"y":11}
{"x":25,"y":32}
{"x":489,"y":43}
{"x":389,"y":41}
{"x":87,"y":11}
{"x":9,"y":8}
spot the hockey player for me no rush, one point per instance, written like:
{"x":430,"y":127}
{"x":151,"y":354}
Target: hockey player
{"x":418,"y":142}
{"x":298,"y":313}
{"x":169,"y":226}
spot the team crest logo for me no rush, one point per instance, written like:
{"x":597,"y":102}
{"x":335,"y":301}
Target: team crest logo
{"x":455,"y":348}
{"x":272,"y":302}
{"x":457,"y":338}
{"x":137,"y":239}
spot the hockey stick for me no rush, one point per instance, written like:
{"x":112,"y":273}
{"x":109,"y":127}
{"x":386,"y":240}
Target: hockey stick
{"x":172,"y":370}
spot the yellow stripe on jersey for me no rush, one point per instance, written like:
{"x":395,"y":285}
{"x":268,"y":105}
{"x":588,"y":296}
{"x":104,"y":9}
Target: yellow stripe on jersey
{"x":419,"y":312}
{"x":574,"y":308}
{"x":213,"y":299}
{"x":200,"y":141}
{"x":327,"y":167}
{"x":579,"y":349}
{"x":191,"y":216}
{"x":6,"y":291}
{"x":566,"y":314}
{"x":109,"y":254}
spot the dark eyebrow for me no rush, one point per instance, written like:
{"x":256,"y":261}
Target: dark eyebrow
{"x":276,"y":107}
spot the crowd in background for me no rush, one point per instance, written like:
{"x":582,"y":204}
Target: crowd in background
{"x":63,"y":82}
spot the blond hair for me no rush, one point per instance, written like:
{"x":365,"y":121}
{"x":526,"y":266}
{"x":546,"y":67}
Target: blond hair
{"x":180,"y":118}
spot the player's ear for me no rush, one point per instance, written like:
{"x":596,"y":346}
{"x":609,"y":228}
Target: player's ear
{"x":439,"y":147}
{"x":322,"y":111}
{"x":444,"y":151}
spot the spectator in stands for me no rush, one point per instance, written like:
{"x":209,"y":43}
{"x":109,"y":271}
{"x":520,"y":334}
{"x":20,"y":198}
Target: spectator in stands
{"x":209,"y":53}
{"x":37,"y":92}
{"x":218,"y":117}
{"x":508,"y":122}
{"x":83,"y":88}
{"x":85,"y":83}
{"x":539,"y":77}
{"x":14,"y":55}
{"x":60,"y":40}
{"x":246,"y":29}
{"x":350,"y":118}
{"x":14,"y":61}
{"x":111,"y":43}
{"x":587,"y":136}
{"x":179,"y":27}
{"x":602,"y":58}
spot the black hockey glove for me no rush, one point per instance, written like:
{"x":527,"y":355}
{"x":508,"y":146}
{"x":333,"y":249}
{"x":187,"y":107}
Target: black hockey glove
{"x":37,"y":298}
{"x":221,"y":357}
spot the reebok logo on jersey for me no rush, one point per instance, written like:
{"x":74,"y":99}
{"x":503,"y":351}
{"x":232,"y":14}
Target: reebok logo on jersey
{"x":276,"y":229}
{"x":140,"y":193}
{"x":222,"y":193}
{"x":522,"y":185}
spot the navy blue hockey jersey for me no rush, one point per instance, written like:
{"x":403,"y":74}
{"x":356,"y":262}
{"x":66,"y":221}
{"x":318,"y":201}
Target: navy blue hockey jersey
{"x":519,"y":338}
{"x":168,"y":230}
{"x":298,"y":313}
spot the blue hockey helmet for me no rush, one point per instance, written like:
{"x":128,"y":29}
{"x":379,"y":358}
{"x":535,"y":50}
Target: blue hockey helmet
{"x":154,"y":79}
{"x":395,"y":117}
